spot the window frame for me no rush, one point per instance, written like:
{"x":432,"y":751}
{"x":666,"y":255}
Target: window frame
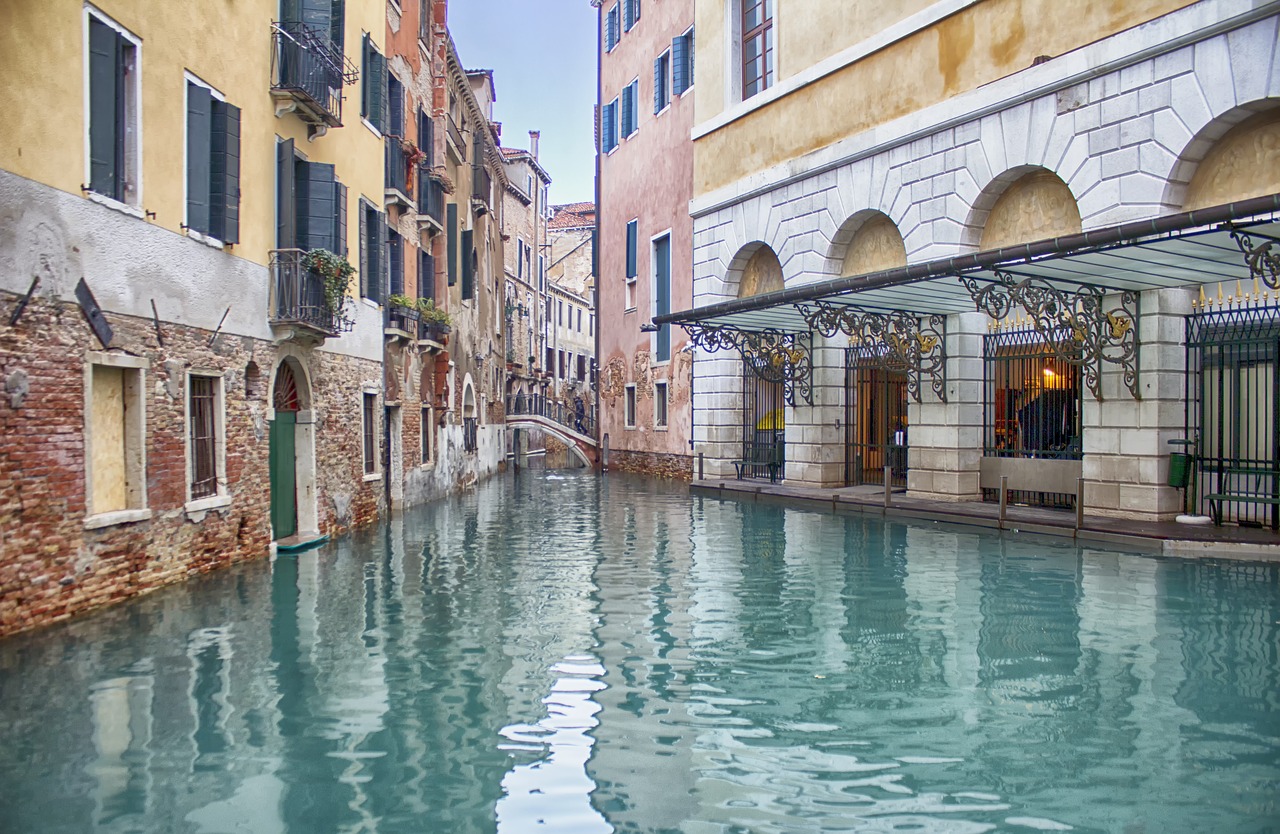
{"x":134,"y":384}
{"x":629,"y":406}
{"x":132,"y":139}
{"x":369,"y":446}
{"x":688,"y":37}
{"x":613,"y":27}
{"x":220,"y":496}
{"x":661,"y":410}
{"x":192,"y":232}
{"x":653,"y":295}
{"x":663,"y":86}
{"x":766,"y":30}
{"x":426,"y":439}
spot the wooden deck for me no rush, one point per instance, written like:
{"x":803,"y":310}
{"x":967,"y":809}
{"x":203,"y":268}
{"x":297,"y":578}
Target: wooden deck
{"x":1169,"y":538}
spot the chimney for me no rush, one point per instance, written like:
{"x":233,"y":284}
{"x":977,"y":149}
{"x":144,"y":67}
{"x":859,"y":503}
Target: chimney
{"x":534,"y":136}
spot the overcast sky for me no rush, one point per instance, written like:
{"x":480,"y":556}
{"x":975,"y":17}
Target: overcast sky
{"x":543,"y":56}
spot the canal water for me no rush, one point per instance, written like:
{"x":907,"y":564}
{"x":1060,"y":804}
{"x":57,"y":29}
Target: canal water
{"x":568,"y":653}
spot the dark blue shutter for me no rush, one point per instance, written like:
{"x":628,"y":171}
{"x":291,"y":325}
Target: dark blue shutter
{"x":318,"y":14}
{"x":626,"y":111}
{"x":611,"y":29}
{"x":375,"y":244}
{"x":632,"y":231}
{"x":662,"y":295}
{"x":426,"y":138}
{"x":395,"y":253}
{"x":224,"y":185}
{"x":106,"y":109}
{"x":468,"y":263}
{"x":340,"y":219}
{"x":366,"y":74}
{"x":199,"y":169}
{"x":679,"y":65}
{"x":338,"y":24}
{"x":426,"y":275}
{"x":627,"y":19}
{"x":363,"y":212}
{"x":380,"y":79}
{"x":657,"y":84}
{"x":286,"y":206}
{"x":395,"y":106}
{"x":451,"y":241}
{"x":316,"y":205}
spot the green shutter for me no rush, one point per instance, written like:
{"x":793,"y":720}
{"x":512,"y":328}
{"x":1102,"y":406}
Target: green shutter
{"x":286,"y":204}
{"x":366,"y":74}
{"x":395,"y":250}
{"x":106,"y":106}
{"x":451,"y":241}
{"x":395,"y":106}
{"x":199,"y":169}
{"x":679,"y":65}
{"x":338,"y":24}
{"x":224,"y":185}
{"x":375,"y":258}
{"x":631,"y":249}
{"x":316,"y":205}
{"x":363,"y":211}
{"x":468,"y":263}
{"x":340,"y":220}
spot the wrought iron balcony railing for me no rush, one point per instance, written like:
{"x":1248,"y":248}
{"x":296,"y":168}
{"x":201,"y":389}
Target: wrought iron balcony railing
{"x":298,"y":296}
{"x":309,"y":72}
{"x":481,"y":184}
{"x":430,"y":198}
{"x":455,"y":136}
{"x":396,"y":168}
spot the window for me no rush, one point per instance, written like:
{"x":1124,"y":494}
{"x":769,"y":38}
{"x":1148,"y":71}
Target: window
{"x":582,"y":367}
{"x":662,"y":296}
{"x":609,"y":126}
{"x":611,"y":28}
{"x":520,"y":258}
{"x":373,"y":86}
{"x":630,"y":13}
{"x":428,"y":432}
{"x":395,"y":107}
{"x":591,"y":324}
{"x":542,"y":274}
{"x":395,"y":262}
{"x":115,"y":436}
{"x":426,"y":274}
{"x":560,"y":313}
{"x":213,"y":164}
{"x":369,"y":419}
{"x":206,"y":451}
{"x":470,"y":432}
{"x":660,"y":405}
{"x":661,"y":82}
{"x":563,"y":370}
{"x":469,"y":264}
{"x":630,"y":108}
{"x":373,"y":251}
{"x":682,"y":63}
{"x":451,"y":242}
{"x":579,"y":327}
{"x":424,"y":21}
{"x":757,"y":46}
{"x":114,"y":82}
{"x":632,"y":234}
{"x":311,"y":205}
{"x":629,"y":407}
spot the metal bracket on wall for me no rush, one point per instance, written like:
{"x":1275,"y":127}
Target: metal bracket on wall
{"x":1263,"y":263}
{"x":93,"y":314}
{"x":772,"y":355}
{"x":1098,"y":332}
{"x":896,"y":340}
{"x":22,"y":305}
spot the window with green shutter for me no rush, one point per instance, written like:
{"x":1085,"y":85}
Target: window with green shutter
{"x":395,"y":262}
{"x":661,"y":85}
{"x":682,"y":63}
{"x":315,"y":187}
{"x":611,"y":28}
{"x":113,"y":111}
{"x":395,"y":106}
{"x":451,"y":241}
{"x":373,"y":86}
{"x":632,"y":236}
{"x":199,"y":140}
{"x":213,"y":165}
{"x":373,"y":260}
{"x":468,"y":263}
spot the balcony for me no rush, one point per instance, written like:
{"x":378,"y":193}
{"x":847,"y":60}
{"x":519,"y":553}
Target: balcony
{"x":396,"y":174}
{"x":430,"y":203}
{"x":481,"y":189}
{"x":308,"y":74}
{"x":298,"y":301}
{"x":455,"y":136}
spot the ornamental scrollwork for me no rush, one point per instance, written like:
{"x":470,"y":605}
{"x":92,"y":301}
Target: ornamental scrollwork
{"x":772,"y":355}
{"x":1095,"y":330}
{"x":1262,"y":260}
{"x":895,"y":340}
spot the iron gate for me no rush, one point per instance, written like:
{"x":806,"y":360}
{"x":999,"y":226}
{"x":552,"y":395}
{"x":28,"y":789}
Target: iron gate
{"x":1233,"y":379}
{"x":1031,"y":405}
{"x":763,"y":426}
{"x":875,"y":409}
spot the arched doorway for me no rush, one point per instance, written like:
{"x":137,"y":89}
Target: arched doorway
{"x":291,"y":453}
{"x":763,"y":403}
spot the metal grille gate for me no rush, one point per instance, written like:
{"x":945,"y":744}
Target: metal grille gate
{"x":1233,"y":380}
{"x":763,"y":426}
{"x":1031,"y":405}
{"x":875,"y":409}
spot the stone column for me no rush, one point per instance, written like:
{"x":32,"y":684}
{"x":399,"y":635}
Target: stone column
{"x":815,"y":441}
{"x":945,"y":439}
{"x":1126,"y":449}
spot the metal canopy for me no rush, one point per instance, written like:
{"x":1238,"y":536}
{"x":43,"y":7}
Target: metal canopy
{"x":1197,"y":247}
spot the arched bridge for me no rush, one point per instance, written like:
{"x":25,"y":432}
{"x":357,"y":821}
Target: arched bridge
{"x":576,"y":429}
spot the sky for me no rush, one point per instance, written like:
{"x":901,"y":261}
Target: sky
{"x":543,"y":56}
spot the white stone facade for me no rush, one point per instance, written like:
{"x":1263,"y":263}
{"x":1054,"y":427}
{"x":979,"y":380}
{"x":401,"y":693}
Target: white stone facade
{"x":1123,"y":122}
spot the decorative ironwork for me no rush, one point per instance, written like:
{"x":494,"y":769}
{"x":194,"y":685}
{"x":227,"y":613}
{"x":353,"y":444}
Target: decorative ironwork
{"x":772,"y":355}
{"x":1099,"y":331}
{"x":1262,"y":260}
{"x":918,"y":344}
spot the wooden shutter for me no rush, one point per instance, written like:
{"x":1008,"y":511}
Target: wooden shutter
{"x":315,"y":184}
{"x":662,"y":295}
{"x":395,"y":262}
{"x":199,"y":169}
{"x":286,"y":206}
{"x":679,"y":65}
{"x":451,"y":241}
{"x":364,"y":250}
{"x":376,"y":261}
{"x":380,"y":91}
{"x":657,"y":85}
{"x":468,"y":263}
{"x":611,"y":29}
{"x":340,"y":219}
{"x":426,"y":275}
{"x":366,"y":74}
{"x":224,"y":185}
{"x":395,"y":106}
{"x":628,"y":20}
{"x":338,"y":25}
{"x":632,"y":231}
{"x":106,"y":107}
{"x":317,"y":14}
{"x":626,"y":110}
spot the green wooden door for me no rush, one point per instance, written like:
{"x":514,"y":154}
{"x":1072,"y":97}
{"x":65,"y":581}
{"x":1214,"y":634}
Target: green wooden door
{"x":284,"y":494}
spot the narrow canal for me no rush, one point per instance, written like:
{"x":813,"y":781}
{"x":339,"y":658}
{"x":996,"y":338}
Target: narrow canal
{"x":567,"y":653}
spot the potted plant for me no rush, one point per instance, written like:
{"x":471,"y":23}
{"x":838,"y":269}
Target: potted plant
{"x":335,"y":273}
{"x":436,"y":319}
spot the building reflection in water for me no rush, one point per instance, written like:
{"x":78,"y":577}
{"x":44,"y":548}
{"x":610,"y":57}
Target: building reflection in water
{"x":627,"y":658}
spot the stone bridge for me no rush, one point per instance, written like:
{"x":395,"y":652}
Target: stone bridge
{"x":573,"y":428}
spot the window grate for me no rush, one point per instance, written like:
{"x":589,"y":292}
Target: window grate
{"x":204,"y":460}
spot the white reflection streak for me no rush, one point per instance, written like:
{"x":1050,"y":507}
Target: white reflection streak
{"x":555,"y":791}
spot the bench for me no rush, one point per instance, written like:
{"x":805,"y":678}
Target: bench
{"x":1262,"y":492}
{"x":769,"y":456}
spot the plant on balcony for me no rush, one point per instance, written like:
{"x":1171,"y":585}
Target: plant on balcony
{"x":413,"y":156}
{"x":335,"y":271}
{"x":397,"y":300}
{"x":432,"y":314}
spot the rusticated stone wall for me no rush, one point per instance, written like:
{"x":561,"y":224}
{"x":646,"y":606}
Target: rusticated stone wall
{"x":654,"y":464}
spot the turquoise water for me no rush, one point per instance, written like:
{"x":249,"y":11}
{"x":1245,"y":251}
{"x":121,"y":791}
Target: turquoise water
{"x":573,"y":654}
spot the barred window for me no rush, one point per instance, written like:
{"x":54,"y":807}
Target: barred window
{"x":203,"y":404}
{"x":370,"y":434}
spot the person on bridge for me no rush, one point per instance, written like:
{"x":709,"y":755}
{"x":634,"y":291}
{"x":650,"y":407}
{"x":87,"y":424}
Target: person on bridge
{"x":579,"y":413}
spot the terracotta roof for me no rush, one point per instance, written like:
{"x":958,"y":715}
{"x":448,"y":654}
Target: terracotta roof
{"x":510,"y":152}
{"x":573,"y":216}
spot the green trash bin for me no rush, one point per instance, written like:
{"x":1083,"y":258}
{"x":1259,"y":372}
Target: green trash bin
{"x":1179,"y":469}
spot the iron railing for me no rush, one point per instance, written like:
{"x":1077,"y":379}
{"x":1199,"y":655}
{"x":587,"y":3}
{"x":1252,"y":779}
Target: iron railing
{"x":566,"y":414}
{"x":763,"y":426}
{"x":481,"y":184}
{"x":430,"y":197}
{"x":455,"y":136}
{"x":395,"y":167}
{"x":310,"y":69}
{"x":875,"y":392}
{"x":298,"y":298}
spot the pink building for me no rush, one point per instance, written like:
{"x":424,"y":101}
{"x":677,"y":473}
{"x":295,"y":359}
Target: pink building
{"x":645,"y":243}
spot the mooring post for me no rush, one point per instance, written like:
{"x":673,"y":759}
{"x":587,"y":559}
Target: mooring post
{"x":888,"y":485}
{"x":1004,"y":498}
{"x":1079,"y":503}
{"x":700,"y":471}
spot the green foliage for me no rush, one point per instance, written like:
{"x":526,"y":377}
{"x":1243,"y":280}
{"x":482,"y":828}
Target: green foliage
{"x":335,"y":271}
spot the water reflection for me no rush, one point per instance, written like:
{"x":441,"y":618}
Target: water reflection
{"x":595,"y":655}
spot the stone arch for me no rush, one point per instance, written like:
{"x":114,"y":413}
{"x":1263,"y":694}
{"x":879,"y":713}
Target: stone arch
{"x":754,"y":270}
{"x":1231,"y":158}
{"x":469,"y":398}
{"x":294,"y":510}
{"x":1023,"y":204}
{"x":289,"y":379}
{"x":869,"y":241}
